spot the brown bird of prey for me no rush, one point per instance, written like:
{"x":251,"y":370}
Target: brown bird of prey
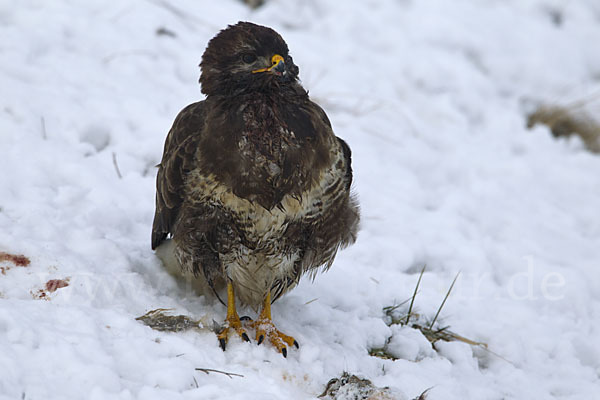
{"x":253,"y":190}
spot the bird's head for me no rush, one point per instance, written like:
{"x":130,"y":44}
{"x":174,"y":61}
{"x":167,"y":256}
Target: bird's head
{"x":245,"y":58}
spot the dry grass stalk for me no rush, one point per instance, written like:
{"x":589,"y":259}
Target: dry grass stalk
{"x":432,"y":335}
{"x":254,"y":4}
{"x":437,"y":314}
{"x":566,"y":122}
{"x":159,"y":320}
{"x":412,"y":301}
{"x":209,"y":370}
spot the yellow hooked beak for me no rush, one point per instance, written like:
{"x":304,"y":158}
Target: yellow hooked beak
{"x":277,"y":66}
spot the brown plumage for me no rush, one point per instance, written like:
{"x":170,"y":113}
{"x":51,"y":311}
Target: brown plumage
{"x":253,"y":189}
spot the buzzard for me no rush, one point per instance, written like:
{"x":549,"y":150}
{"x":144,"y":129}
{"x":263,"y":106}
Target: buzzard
{"x":253,"y":190}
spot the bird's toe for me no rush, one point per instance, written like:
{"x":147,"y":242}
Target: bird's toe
{"x":235,"y":325}
{"x":265,"y":329}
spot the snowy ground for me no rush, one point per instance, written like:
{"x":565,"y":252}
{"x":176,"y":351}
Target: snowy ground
{"x":431,"y":96}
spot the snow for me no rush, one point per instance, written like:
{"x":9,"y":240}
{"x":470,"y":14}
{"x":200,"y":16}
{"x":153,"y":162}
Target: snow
{"x":431,"y":96}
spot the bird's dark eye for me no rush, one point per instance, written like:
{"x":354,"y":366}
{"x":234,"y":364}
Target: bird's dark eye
{"x":248,"y":58}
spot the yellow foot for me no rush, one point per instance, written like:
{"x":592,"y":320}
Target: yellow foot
{"x":266,"y":329}
{"x":232,"y":323}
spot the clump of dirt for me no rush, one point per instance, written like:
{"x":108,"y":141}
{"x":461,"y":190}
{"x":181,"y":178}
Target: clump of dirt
{"x":352,"y":387}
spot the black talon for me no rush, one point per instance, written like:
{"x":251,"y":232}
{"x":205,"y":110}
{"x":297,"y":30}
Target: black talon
{"x":284,"y":352}
{"x":260,"y":339}
{"x":245,"y":337}
{"x":296,"y":344}
{"x":222,"y":344}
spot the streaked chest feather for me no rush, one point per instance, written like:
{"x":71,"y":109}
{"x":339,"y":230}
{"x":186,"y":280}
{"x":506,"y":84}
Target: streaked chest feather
{"x":256,"y":256}
{"x":257,"y":220}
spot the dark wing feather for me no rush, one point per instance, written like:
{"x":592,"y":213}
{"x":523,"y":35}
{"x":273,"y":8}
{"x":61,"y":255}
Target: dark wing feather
{"x":348,"y":160}
{"x":178,"y":159}
{"x":334,"y":226}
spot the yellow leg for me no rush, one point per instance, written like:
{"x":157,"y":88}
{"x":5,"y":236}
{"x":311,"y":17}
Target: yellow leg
{"x":232,"y":321}
{"x":266,"y":328}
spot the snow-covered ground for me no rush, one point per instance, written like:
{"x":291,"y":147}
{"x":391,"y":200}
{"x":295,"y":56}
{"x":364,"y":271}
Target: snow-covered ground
{"x":431,"y":96}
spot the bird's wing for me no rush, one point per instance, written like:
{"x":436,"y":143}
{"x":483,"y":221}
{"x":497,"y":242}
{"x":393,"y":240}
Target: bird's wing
{"x":178,"y":159}
{"x":334,"y":224}
{"x":347,"y":162}
{"x":347,"y":154}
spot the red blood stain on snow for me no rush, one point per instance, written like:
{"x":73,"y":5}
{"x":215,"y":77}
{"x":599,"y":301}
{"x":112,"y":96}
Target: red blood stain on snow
{"x":16,"y":259}
{"x":53,"y":284}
